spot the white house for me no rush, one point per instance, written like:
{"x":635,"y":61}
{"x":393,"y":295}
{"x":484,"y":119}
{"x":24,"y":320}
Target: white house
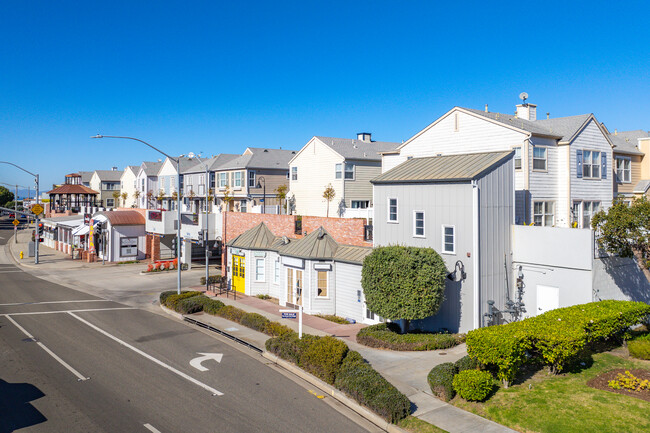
{"x":147,"y":184}
{"x":563,"y":166}
{"x":345,"y":164}
{"x":128,"y":185}
{"x":124,"y":234}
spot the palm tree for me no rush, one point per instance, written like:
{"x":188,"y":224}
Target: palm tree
{"x":136,"y":196}
{"x":329,"y":195}
{"x":124,"y":196}
{"x":149,"y":197}
{"x":160,"y":197}
{"x":281,"y":192}
{"x":116,"y":196}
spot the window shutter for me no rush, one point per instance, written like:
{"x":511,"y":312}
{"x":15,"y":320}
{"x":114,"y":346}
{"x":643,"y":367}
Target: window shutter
{"x":579,"y":163}
{"x":603,"y":165}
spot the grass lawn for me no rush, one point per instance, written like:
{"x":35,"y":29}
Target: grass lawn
{"x":566,"y":404}
{"x":416,"y":425}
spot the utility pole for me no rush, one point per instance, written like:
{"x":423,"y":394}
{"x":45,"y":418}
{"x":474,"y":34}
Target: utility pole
{"x":16,"y":215}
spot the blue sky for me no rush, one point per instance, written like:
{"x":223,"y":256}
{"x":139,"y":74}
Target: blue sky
{"x":216,"y":76}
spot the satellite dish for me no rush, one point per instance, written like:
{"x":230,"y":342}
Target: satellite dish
{"x":523,"y":96}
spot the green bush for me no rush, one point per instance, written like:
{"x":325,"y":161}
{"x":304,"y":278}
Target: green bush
{"x":333,"y":318}
{"x":172,"y":300}
{"x":387,"y":336}
{"x":289,"y":347}
{"x":191,"y":305}
{"x":440,"y":380}
{"x":168,"y":293}
{"x":213,"y":306}
{"x":360,"y":381}
{"x":212,"y":279}
{"x":467,"y":363}
{"x":254,"y":321}
{"x":324,"y":357}
{"x":473,"y":385}
{"x":275,"y":329}
{"x":640,"y":347}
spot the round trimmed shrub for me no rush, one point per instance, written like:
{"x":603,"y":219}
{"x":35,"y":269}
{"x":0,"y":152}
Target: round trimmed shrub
{"x":191,"y":305}
{"x":473,"y":385}
{"x":467,"y":363}
{"x":324,"y":357}
{"x":441,"y":379}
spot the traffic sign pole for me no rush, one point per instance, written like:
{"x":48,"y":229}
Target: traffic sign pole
{"x":38,"y":237}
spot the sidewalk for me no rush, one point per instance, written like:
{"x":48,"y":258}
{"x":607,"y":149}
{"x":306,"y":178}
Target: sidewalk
{"x":407,"y":371}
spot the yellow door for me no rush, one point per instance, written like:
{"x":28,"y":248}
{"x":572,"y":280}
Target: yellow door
{"x":239,"y":273}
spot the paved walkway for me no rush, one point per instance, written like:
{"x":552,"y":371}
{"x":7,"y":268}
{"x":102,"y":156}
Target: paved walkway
{"x":407,"y":371}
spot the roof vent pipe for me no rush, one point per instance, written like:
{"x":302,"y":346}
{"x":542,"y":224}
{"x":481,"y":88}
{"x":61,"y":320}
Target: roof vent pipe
{"x":548,"y":115}
{"x":486,"y":108}
{"x":615,"y":131}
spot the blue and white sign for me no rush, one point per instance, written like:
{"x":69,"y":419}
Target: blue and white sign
{"x":288,"y":315}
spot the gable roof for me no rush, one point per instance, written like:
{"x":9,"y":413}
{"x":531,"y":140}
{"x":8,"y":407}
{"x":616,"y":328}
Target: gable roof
{"x":259,"y":157}
{"x":86,"y":176}
{"x":462,"y":167}
{"x":257,"y":238}
{"x":527,"y":125}
{"x":123,"y":217}
{"x":356,"y":149}
{"x":627,"y":141}
{"x":109,"y":175}
{"x":151,"y":168}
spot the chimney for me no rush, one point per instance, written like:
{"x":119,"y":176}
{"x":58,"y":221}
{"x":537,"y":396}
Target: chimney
{"x":114,"y":168}
{"x":486,"y":108}
{"x":364,"y":136}
{"x":615,"y":131}
{"x":527,"y":111}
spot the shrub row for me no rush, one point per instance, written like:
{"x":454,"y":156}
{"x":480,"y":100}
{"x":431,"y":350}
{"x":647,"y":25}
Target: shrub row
{"x":331,"y":360}
{"x":640,"y":347}
{"x":387,"y":336}
{"x":212,"y":279}
{"x":557,"y":337}
{"x":193,"y":302}
{"x":441,"y":376}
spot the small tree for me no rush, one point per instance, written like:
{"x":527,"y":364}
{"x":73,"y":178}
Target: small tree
{"x":329,"y":195}
{"x":149,"y":197}
{"x":403,"y":282}
{"x":5,"y":196}
{"x":116,"y":196}
{"x":227,"y":198}
{"x":160,"y":197}
{"x":124,"y":196}
{"x":281,"y":192}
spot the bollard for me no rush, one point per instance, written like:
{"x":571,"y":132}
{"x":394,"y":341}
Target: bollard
{"x":21,"y":254}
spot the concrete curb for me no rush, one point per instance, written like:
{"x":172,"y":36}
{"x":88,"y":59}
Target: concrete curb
{"x":172,"y":313}
{"x":335,"y":393}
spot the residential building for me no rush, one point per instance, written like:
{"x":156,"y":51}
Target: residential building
{"x":631,"y":166}
{"x":563,"y":166}
{"x":167,"y":182}
{"x":85,"y":177}
{"x":128,"y":185}
{"x":147,"y":184}
{"x":347,"y":165}
{"x":462,"y":206}
{"x":107,"y":182}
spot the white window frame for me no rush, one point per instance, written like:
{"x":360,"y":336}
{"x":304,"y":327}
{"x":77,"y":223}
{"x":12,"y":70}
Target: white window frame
{"x":545,"y":212}
{"x":545,"y":159}
{"x":349,"y":171}
{"x":517,"y":157}
{"x":415,"y":226}
{"x":236,"y":179}
{"x":594,"y":161}
{"x":223,"y":180}
{"x":294,"y":173}
{"x":260,"y":277}
{"x":251,"y":177}
{"x":388,"y":219}
{"x":276,"y":271}
{"x":327,"y":284}
{"x":338,"y":171}
{"x":112,"y":200}
{"x":622,"y":171}
{"x":588,"y":212}
{"x":360,"y":204}
{"x":444,"y":240}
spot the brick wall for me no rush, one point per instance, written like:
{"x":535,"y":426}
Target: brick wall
{"x":152,"y":248}
{"x":348,"y":231}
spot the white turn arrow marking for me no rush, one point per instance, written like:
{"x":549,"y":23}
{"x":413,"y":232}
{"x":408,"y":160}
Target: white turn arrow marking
{"x":196,"y":362}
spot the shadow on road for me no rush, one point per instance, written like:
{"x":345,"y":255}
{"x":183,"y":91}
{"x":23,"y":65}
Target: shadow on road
{"x":16,"y":411}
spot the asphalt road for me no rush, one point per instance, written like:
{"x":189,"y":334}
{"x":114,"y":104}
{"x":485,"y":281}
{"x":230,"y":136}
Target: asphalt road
{"x":74,"y":362}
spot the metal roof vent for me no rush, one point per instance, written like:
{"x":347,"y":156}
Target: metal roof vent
{"x":285,"y":240}
{"x":321,"y":233}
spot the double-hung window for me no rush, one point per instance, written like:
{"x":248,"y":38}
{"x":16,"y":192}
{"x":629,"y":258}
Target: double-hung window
{"x":544,"y":213}
{"x":517,"y":157}
{"x":539,"y":158}
{"x":322,"y":284}
{"x":223,"y":180}
{"x":338,"y":171}
{"x":589,"y":208}
{"x":294,"y":173}
{"x":392,"y":210}
{"x":623,"y":169}
{"x":448,"y":239}
{"x":349,"y":171}
{"x":259,"y":269}
{"x":276,"y":272}
{"x":251,"y":179}
{"x":237,"y":179}
{"x":590,"y":164}
{"x":418,"y":224}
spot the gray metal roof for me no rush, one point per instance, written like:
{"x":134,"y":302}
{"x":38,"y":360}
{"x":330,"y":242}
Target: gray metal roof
{"x":461,"y":167}
{"x":109,"y":175}
{"x":351,"y":254}
{"x":357,"y":149}
{"x":257,"y":238}
{"x":641,"y":187}
{"x":627,"y":141}
{"x":316,"y":245}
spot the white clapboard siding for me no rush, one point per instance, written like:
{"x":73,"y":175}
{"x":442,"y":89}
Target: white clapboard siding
{"x":348,"y":282}
{"x":544,"y":184}
{"x":322,"y":305}
{"x":391,"y":161}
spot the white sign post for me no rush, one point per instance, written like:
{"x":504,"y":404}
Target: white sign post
{"x":291,"y":314}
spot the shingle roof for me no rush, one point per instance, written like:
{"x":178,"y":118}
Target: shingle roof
{"x":627,"y":141}
{"x":151,"y":168}
{"x":109,"y":175}
{"x":357,"y":149}
{"x":516,"y":122}
{"x":86,"y":176}
{"x":259,"y":158}
{"x":461,"y":167}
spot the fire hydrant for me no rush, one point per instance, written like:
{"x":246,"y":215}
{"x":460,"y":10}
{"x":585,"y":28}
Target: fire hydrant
{"x":21,"y":254}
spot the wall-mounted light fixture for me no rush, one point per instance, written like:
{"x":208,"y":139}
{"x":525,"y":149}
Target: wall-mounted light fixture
{"x":453,"y":276}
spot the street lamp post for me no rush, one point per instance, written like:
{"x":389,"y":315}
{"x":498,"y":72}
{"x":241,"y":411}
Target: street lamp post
{"x":37,"y":200}
{"x":263,"y":181}
{"x":206,"y":223}
{"x":178,"y":199}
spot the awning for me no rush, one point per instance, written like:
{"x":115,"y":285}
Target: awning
{"x":81,"y":230}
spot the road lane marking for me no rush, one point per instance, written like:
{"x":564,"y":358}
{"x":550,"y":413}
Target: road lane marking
{"x":196,"y":362}
{"x":10,"y":271}
{"x":80,"y":376}
{"x":53,"y":302}
{"x":86,"y":310}
{"x":151,"y":428}
{"x":149,"y":357}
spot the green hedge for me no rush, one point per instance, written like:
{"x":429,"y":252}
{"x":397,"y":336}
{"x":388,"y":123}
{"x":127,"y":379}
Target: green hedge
{"x":441,"y":379}
{"x":191,"y":305}
{"x":212,"y":279}
{"x":473,"y":385}
{"x":213,"y":306}
{"x":255,"y":321}
{"x":387,"y":336}
{"x":326,"y":357}
{"x":640,"y":347}
{"x":171,"y":301}
{"x":557,"y":337}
